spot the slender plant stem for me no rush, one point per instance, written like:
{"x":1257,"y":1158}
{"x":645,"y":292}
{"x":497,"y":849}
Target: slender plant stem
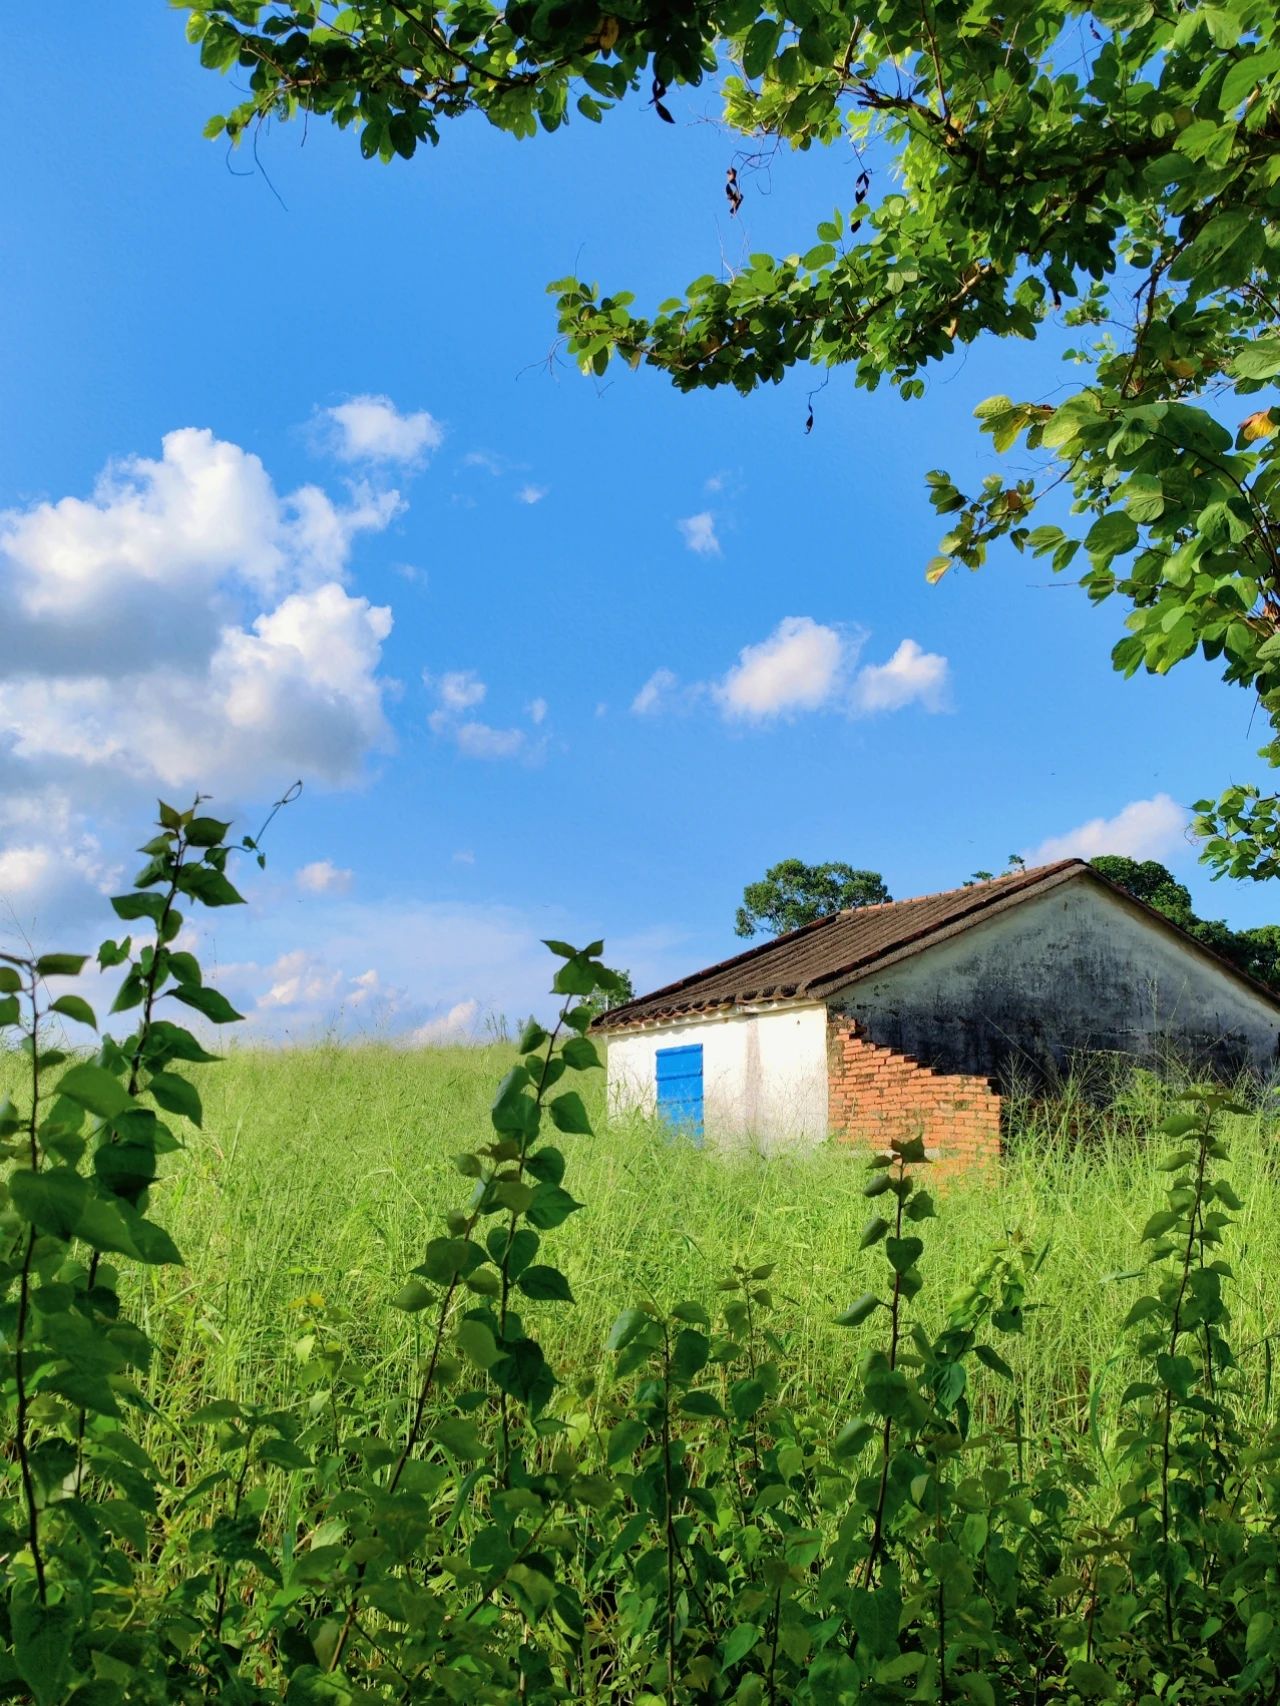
{"x":22,"y":1436}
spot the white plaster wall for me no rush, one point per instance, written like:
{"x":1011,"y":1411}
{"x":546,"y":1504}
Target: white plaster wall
{"x":1076,"y":969}
{"x":764,"y":1073}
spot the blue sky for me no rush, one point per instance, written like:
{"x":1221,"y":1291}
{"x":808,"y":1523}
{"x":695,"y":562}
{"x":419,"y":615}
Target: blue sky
{"x":293,"y":485}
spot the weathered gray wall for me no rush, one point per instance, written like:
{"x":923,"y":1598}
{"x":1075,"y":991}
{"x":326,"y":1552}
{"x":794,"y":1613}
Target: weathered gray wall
{"x":1076,"y":969}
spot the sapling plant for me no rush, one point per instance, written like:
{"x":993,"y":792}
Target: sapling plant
{"x":684,"y":1519}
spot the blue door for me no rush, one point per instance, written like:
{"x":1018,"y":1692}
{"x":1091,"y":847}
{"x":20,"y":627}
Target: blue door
{"x":680,"y":1089}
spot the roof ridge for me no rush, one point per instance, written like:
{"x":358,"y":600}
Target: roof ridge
{"x":945,"y":894}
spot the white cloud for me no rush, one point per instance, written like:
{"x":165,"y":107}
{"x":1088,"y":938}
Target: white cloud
{"x":385,"y":968}
{"x":699,"y":532}
{"x":464,"y":856}
{"x":531,"y":494}
{"x":299,"y":977}
{"x":372,"y":429}
{"x":800,"y":667}
{"x":807,"y":666}
{"x":652,"y":695}
{"x":187,"y":625}
{"x":459,"y":691}
{"x":458,"y":1025}
{"x":479,"y":740}
{"x":485,"y":459}
{"x":1144,"y":829}
{"x":537,"y":710}
{"x":324,"y":877}
{"x":911,"y":675}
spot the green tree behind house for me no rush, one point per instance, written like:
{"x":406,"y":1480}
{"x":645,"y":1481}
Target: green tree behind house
{"x":792,"y":893}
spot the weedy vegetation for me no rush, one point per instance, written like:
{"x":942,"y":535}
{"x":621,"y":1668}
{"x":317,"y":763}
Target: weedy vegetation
{"x":451,"y":1396}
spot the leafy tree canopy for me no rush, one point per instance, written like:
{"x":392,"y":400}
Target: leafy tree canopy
{"x":792,"y":893}
{"x":1256,"y":951}
{"x":619,"y":992}
{"x":1112,"y":162}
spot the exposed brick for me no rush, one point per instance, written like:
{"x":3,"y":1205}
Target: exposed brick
{"x":875,"y":1094}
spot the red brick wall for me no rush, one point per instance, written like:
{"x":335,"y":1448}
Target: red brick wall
{"x":875,"y":1094}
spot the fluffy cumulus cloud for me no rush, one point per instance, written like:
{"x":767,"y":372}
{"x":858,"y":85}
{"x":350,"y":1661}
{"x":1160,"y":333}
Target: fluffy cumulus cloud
{"x":798,"y":668}
{"x":457,"y":1025}
{"x":699,"y":533}
{"x":324,"y":877}
{"x":130,"y":650}
{"x":371,"y":429}
{"x":1144,"y":829}
{"x":912,"y":676}
{"x":805,"y":666}
{"x":187,"y":626}
{"x":531,"y":494}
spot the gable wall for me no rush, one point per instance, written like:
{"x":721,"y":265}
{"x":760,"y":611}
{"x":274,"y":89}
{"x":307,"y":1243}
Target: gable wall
{"x":1075,"y":969}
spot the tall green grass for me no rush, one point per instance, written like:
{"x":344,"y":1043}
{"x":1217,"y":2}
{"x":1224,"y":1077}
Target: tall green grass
{"x":322,"y":1173}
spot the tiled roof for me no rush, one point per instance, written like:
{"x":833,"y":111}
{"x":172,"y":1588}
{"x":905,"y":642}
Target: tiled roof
{"x":820,"y":958}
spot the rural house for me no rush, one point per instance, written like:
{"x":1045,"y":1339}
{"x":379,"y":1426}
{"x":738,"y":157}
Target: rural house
{"x":913,"y":1015}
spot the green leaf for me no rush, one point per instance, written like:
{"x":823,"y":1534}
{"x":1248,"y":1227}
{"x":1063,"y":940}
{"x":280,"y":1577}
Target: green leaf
{"x":859,"y":1310}
{"x":166,"y":1041}
{"x":116,"y":1225}
{"x":10,"y":1011}
{"x":412,"y":1296}
{"x":43,"y":1640}
{"x":1261,"y":360}
{"x":206,"y":832}
{"x":532,"y":1037}
{"x":514,"y":1108}
{"x":61,"y":965}
{"x":523,"y":1373}
{"x":460,"y":1437}
{"x":10,"y":982}
{"x":131,"y":906}
{"x":853,"y":1437}
{"x":700,"y":1403}
{"x":476,"y":1342}
{"x":545,"y":1284}
{"x":448,"y":1259}
{"x":903,"y":1253}
{"x":176,"y":1096}
{"x":213,"y":1005}
{"x":1111,"y":535}
{"x":550,"y":1206}
{"x":131,"y":993}
{"x":625,"y":1438}
{"x":575,"y":977}
{"x":209,"y":886}
{"x":873,"y":1231}
{"x":581,"y":1054}
{"x":52,"y":1201}
{"x":569,"y":1114}
{"x":96,"y":1089}
{"x":74,"y":1007}
{"x":991,"y":1358}
{"x":738,"y":1643}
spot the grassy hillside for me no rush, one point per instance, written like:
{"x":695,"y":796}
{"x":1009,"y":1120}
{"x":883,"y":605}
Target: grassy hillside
{"x":321,"y":1174}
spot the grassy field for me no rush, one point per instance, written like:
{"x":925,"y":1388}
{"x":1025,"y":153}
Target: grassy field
{"x":321,"y":1174}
